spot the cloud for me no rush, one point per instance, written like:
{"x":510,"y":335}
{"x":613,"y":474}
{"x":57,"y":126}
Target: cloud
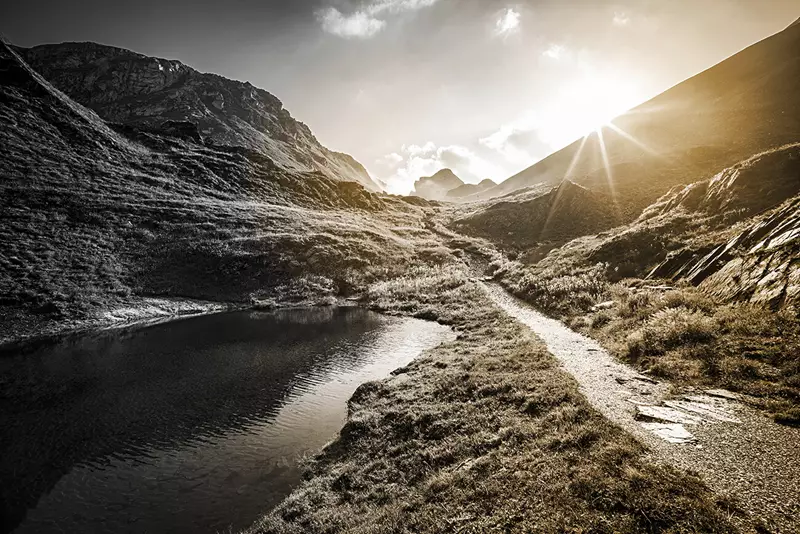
{"x":519,"y":142}
{"x":359,"y":24}
{"x":368,"y":20}
{"x":555,"y":51}
{"x":621,"y":18}
{"x":507,"y":23}
{"x":414,"y":161}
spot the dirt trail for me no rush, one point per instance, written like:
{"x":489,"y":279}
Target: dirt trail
{"x":735,"y":449}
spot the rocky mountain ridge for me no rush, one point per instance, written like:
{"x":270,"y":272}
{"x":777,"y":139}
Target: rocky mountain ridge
{"x":125,"y":87}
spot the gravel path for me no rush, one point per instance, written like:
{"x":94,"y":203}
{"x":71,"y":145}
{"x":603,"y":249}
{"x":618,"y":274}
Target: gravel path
{"x":736,"y":450}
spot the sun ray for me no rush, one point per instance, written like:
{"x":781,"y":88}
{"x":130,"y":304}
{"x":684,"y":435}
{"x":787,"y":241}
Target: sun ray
{"x":575,"y":159}
{"x":607,"y":165}
{"x":633,"y":140}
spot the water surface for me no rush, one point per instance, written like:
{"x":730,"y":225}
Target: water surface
{"x":193,"y":425}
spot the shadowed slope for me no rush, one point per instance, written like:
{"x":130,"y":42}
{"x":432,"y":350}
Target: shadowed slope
{"x":565,"y":212}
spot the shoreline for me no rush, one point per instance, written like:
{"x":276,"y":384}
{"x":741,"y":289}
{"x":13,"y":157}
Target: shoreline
{"x":485,"y":433}
{"x":141,"y":314}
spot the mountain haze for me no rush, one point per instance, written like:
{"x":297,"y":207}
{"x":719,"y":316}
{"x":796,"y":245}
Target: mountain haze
{"x":437,"y":187}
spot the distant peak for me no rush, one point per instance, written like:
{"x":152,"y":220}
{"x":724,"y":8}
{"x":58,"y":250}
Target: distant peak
{"x":443,"y":173}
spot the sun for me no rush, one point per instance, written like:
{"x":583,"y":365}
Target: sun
{"x":586,"y":104}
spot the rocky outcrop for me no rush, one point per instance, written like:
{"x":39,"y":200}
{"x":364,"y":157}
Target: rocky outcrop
{"x":437,"y":186}
{"x":760,"y":263}
{"x":758,"y":183}
{"x":153,"y":93}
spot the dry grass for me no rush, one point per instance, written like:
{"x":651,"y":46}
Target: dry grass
{"x":484,"y":434}
{"x":684,"y":335}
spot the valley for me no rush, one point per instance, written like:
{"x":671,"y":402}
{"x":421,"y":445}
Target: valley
{"x":655,"y":259}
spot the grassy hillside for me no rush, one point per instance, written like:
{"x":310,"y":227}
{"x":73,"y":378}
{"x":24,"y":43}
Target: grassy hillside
{"x":96,"y":216}
{"x":565,"y":212}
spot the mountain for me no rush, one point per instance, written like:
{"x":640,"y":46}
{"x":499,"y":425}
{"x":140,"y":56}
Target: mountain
{"x":129,"y":88}
{"x":735,"y":235}
{"x":744,"y":105}
{"x":437,"y":186}
{"x":98,"y":219}
{"x":466,"y":190}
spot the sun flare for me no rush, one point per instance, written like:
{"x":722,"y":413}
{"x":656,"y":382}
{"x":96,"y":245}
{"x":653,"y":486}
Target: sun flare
{"x":586,"y":105}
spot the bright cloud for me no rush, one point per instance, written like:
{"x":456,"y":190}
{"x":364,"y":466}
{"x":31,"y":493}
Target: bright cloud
{"x":368,"y":20}
{"x":621,"y":18}
{"x":518,"y":141}
{"x":507,"y":23}
{"x":416,"y":161}
{"x":554,"y":51}
{"x":359,"y":24}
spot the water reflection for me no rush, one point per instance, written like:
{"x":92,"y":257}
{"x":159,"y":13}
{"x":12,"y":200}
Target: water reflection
{"x":193,"y":424}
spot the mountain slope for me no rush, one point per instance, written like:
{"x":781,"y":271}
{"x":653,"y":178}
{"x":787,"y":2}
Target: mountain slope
{"x":742,"y":106}
{"x":133,"y":89}
{"x":566,"y":211}
{"x":98,"y":217}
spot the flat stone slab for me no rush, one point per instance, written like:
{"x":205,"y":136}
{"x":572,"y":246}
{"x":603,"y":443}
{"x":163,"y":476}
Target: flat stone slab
{"x":708,"y":411}
{"x":603,"y":305}
{"x":723,"y":394}
{"x":665,"y":414}
{"x":671,"y":432}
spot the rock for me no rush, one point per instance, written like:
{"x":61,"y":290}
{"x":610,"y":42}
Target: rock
{"x":723,"y":394}
{"x":665,"y":414}
{"x":603,"y":305}
{"x":703,"y":409}
{"x":671,"y":432}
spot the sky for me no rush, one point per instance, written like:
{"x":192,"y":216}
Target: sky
{"x":408,"y":87}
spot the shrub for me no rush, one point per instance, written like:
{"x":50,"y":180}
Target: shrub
{"x":671,"y":328}
{"x":690,"y":298}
